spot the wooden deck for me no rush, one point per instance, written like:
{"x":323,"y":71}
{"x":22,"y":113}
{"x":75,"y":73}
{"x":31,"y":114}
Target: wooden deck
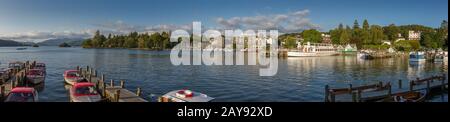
{"x":434,"y":85}
{"x":110,"y":91}
{"x":14,"y":78}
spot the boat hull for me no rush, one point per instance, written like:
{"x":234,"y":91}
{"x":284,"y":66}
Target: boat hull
{"x":36,"y":79}
{"x":312,"y":54}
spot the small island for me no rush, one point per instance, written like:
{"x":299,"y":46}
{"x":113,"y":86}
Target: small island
{"x":35,"y":45}
{"x":64,"y":45}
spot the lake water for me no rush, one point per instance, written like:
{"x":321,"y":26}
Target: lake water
{"x":297,"y":80}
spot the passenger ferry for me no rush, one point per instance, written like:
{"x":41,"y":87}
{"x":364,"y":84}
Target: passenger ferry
{"x":313,"y":49}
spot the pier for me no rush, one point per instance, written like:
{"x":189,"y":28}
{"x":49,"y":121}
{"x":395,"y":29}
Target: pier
{"x":376,"y":92}
{"x":109,"y":90}
{"x":14,"y":77}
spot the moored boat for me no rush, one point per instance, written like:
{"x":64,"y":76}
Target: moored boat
{"x":84,"y":92}
{"x":35,"y":76}
{"x":185,"y":96}
{"x":312,"y":50}
{"x":16,"y":65}
{"x":71,"y":76}
{"x":413,"y":96}
{"x":22,"y":94}
{"x":417,"y":57}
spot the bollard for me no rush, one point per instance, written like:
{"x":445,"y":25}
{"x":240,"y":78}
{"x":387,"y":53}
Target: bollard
{"x":122,"y":84}
{"x":138,"y":92}
{"x":400,"y":84}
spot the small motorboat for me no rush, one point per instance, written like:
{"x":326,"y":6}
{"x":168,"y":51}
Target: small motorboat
{"x":22,"y":94}
{"x":84,"y":92}
{"x":36,"y":76}
{"x":71,"y":76}
{"x":414,"y":96}
{"x":417,"y":57}
{"x":364,"y":55}
{"x":185,"y":96}
{"x":22,"y":48}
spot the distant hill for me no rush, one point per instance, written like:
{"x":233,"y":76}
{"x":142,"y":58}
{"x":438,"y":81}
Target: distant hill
{"x":9,"y":43}
{"x":57,"y":42}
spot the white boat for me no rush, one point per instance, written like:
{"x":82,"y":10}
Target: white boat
{"x":185,"y":96}
{"x":417,"y":57}
{"x":364,"y":55}
{"x":71,"y":76}
{"x":35,"y":76}
{"x":312,"y":50}
{"x":84,"y":92}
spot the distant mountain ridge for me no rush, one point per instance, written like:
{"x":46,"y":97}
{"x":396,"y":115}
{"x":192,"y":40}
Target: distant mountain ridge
{"x":57,"y":42}
{"x":9,"y":43}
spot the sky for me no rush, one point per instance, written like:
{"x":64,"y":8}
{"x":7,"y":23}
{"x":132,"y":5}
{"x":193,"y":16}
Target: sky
{"x":38,"y":20}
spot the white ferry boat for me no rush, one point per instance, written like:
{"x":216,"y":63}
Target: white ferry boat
{"x":313,"y":49}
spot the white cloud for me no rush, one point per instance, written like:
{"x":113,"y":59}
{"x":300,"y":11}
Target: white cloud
{"x":289,"y":22}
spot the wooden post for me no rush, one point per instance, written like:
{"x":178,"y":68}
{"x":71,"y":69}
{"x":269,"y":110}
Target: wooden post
{"x":327,"y":93}
{"x":333,"y":97}
{"x":81,"y":72}
{"x":443,"y":82}
{"x":90,"y":78}
{"x":411,"y":85}
{"x":87,"y":68}
{"x":350,"y":88}
{"x":138,"y":92}
{"x":117,"y":96}
{"x":122,"y":84}
{"x":390,"y":89}
{"x":12,"y":84}
{"x":103,"y":89}
{"x":400,"y":84}
{"x":359,"y":95}
{"x":2,"y":92}
{"x":381,"y":84}
{"x":103,"y":77}
{"x":428,"y":86}
{"x":353,"y":96}
{"x":78,"y":68}
{"x":111,"y":83}
{"x":95,"y":72}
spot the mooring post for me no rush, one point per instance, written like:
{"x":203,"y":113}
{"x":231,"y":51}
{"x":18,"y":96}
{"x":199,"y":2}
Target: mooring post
{"x":103,"y":77}
{"x":443,"y":82}
{"x":90,"y":78}
{"x":428,"y":86}
{"x":390,"y":90}
{"x":111,"y":83}
{"x":78,"y":68}
{"x":327,"y":93}
{"x":95,"y":72}
{"x":359,"y":94}
{"x":353,"y":96}
{"x":122,"y":84}
{"x":87,"y":68}
{"x":333,"y":97}
{"x":411,"y":85}
{"x":400,"y":84}
{"x":117,"y":95}
{"x":81,"y":72}
{"x":103,"y":89}
{"x":138,"y":92}
{"x":350,"y":88}
{"x":381,"y":83}
{"x":2,"y":92}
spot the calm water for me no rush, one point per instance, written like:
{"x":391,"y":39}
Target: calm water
{"x":298,"y":79}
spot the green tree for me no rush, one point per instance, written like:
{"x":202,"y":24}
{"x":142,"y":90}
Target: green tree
{"x":376,"y":34}
{"x":290,"y":42}
{"x":391,"y":32}
{"x":366,"y":25}
{"x":345,"y":37}
{"x":312,"y":36}
{"x":356,"y":25}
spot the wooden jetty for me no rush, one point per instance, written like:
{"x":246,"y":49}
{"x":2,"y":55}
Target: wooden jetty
{"x":14,"y":77}
{"x":377,"y":92}
{"x":108,"y":90}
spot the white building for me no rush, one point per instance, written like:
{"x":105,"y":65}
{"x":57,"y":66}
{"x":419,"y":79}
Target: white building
{"x":413,"y":35}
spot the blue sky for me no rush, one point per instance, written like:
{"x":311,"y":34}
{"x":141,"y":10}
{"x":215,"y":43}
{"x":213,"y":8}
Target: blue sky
{"x":31,"y":20}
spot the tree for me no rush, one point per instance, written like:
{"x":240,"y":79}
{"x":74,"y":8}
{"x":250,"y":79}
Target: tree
{"x":87,"y":43}
{"x":345,"y":37}
{"x":376,"y":34}
{"x":290,"y":42}
{"x":312,"y":35}
{"x":356,"y":25}
{"x":392,"y":32}
{"x":366,"y":25}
